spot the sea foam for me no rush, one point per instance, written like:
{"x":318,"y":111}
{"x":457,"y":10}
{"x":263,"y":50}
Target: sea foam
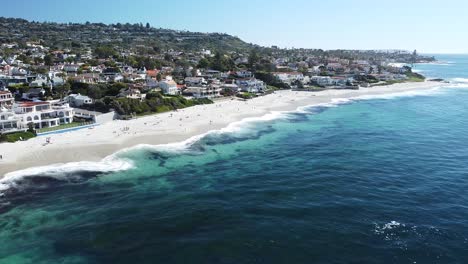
{"x":460,"y":80}
{"x":116,"y":162}
{"x":60,"y":171}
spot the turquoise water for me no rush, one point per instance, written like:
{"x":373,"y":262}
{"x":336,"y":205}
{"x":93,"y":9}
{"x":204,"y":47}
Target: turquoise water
{"x":369,"y":181}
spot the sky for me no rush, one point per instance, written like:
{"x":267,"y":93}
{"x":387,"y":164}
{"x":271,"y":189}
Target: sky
{"x":430,"y":26}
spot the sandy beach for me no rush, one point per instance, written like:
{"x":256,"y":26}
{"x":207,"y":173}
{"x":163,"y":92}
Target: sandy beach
{"x":103,"y":140}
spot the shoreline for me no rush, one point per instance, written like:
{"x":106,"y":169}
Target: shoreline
{"x":97,"y":143}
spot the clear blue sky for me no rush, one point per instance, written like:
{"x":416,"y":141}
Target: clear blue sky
{"x":431,"y":26}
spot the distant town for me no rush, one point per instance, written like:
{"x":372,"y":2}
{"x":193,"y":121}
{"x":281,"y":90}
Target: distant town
{"x":63,"y":76}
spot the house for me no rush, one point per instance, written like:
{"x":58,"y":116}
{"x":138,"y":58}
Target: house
{"x":289,"y":77}
{"x":152,"y":74}
{"x":42,"y":114}
{"x":251,"y":85}
{"x":195,"y":81}
{"x":39,"y":82}
{"x":168,"y":86}
{"x":16,"y":71}
{"x":13,"y":80}
{"x":244,"y":74}
{"x":9,"y":121}
{"x":6,"y":99}
{"x":132,"y":93}
{"x":71,"y":68}
{"x":33,"y":93}
{"x":89,"y":78}
{"x":212,"y":74}
{"x":207,"y":91}
{"x":231,"y":87}
{"x":322,"y":80}
{"x":78,"y":100}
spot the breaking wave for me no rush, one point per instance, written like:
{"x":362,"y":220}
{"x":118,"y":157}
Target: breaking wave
{"x":119,"y":162}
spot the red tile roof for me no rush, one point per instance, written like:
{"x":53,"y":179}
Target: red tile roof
{"x":29,"y":104}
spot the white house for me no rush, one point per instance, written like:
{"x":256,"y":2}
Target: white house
{"x":207,"y":91}
{"x":168,"y":86}
{"x":39,"y":82}
{"x":8,"y":120}
{"x":251,"y":85}
{"x":289,"y":77}
{"x":42,"y":114}
{"x":132,"y":93}
{"x":6,"y":99}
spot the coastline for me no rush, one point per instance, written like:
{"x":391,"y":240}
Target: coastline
{"x":101,"y":141}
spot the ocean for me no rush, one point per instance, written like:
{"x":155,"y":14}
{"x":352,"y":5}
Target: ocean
{"x":379,"y":179}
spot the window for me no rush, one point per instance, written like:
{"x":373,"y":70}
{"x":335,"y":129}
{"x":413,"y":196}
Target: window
{"x":36,"y":117}
{"x":29,"y":119}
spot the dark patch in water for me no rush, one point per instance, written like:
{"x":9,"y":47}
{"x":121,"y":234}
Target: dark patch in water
{"x":27,"y":189}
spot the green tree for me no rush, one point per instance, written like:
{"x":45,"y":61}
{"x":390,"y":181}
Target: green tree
{"x":48,"y":60}
{"x":253,"y":59}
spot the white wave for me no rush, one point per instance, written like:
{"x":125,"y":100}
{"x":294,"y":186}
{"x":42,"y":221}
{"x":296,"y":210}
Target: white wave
{"x":388,"y":227}
{"x":460,"y":80}
{"x":60,"y":171}
{"x":438,"y":63}
{"x":397,"y":64}
{"x":116,"y":162}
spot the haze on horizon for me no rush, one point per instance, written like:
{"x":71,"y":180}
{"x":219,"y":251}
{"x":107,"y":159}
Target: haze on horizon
{"x":428,"y":26}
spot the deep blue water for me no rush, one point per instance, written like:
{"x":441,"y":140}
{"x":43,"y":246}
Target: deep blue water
{"x":371,"y":181}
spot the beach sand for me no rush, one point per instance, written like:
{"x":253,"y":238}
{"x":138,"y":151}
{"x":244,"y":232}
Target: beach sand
{"x":103,"y":140}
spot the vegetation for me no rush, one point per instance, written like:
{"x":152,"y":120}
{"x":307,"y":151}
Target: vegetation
{"x":154,"y":103}
{"x":271,"y":80}
{"x":246,"y":95}
{"x":13,"y":137}
{"x":415,"y":77}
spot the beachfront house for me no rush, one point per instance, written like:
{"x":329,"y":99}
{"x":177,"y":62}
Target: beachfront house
{"x":322,"y":80}
{"x":169,"y":86}
{"x":251,"y":85}
{"x":8,"y":121}
{"x":289,"y":77}
{"x":207,"y":91}
{"x":42,"y":114}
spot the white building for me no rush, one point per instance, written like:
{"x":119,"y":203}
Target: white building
{"x":42,"y":114}
{"x":251,"y":85}
{"x":322,"y":80}
{"x":289,"y":77}
{"x":8,"y":120}
{"x":168,"y":86}
{"x":208,"y":91}
{"x":6,"y":99}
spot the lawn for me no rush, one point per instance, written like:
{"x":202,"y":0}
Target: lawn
{"x":64,"y":126}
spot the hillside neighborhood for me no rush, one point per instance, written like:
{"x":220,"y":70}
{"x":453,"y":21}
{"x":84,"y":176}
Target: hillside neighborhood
{"x":58,"y":76}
